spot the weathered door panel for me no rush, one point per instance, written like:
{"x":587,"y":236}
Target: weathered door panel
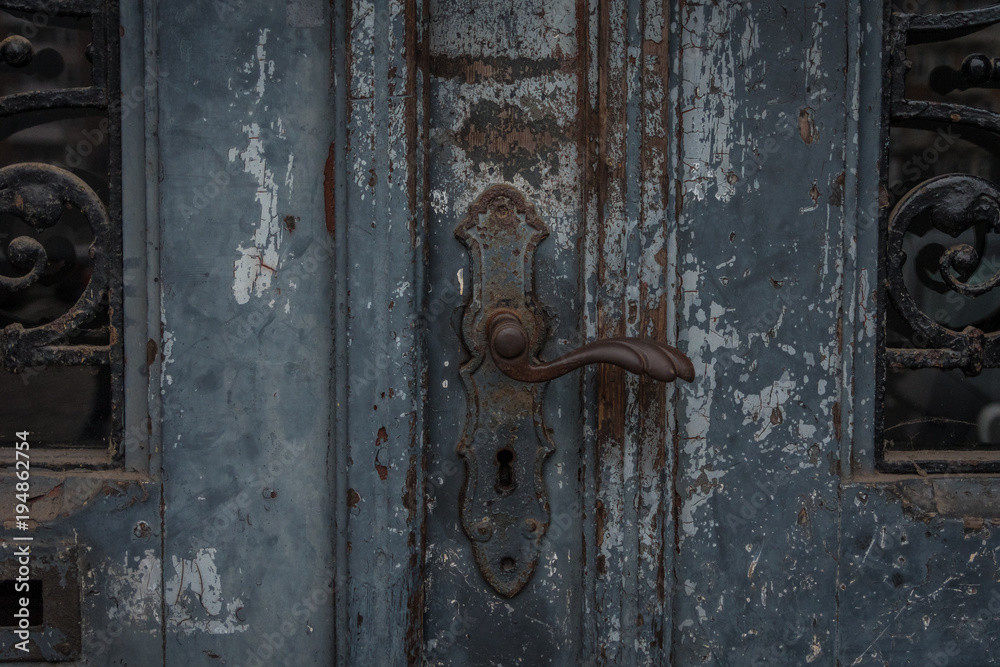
{"x":503,"y":107}
{"x":245,"y":121}
{"x":918,"y":581}
{"x":763,"y":110}
{"x":708,"y":173}
{"x":538,"y":95}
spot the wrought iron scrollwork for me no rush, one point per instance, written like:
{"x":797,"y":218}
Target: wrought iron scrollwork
{"x":40,"y":194}
{"x":963,"y":207}
{"x":954,"y":203}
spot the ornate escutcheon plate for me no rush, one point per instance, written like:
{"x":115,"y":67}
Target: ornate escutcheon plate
{"x":504,"y":506}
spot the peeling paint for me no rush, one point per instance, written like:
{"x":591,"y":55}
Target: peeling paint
{"x":195,"y":599}
{"x":254,"y":270}
{"x":259,"y":260}
{"x":135,"y":586}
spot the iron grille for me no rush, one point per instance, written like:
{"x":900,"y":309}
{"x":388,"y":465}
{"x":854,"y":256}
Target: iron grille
{"x":60,"y":223}
{"x":939,"y":387}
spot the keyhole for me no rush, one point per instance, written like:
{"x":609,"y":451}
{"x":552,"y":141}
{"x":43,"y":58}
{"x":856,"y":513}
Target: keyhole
{"x":505,"y":471}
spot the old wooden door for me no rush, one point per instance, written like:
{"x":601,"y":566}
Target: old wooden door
{"x":283,"y":484}
{"x":709,"y":174}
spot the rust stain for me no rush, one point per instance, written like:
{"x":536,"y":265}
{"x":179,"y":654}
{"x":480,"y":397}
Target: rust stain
{"x":837,"y":190}
{"x":504,"y":69}
{"x":382,"y":437}
{"x":661,"y":257}
{"x":776,"y":417}
{"x":836,"y":420}
{"x":353,"y":498}
{"x":410,"y":490}
{"x":290,"y":222}
{"x":973,"y":523}
{"x":383,"y":472}
{"x":505,"y":131}
{"x":329,"y":183}
{"x":151,"y":350}
{"x":883,"y":197}
{"x":807,"y":126}
{"x":511,"y":135}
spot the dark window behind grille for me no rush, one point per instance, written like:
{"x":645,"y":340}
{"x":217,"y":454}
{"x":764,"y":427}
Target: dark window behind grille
{"x":940,"y":408}
{"x":60,"y":227}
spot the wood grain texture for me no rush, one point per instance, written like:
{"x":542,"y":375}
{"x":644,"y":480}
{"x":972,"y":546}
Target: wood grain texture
{"x":629,"y":293}
{"x":381,"y":436}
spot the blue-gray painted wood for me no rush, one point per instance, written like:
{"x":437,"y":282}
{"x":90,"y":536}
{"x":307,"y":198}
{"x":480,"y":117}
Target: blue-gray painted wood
{"x":709,"y":173}
{"x":762,"y":108}
{"x":379,"y":366}
{"x":245,"y":124}
{"x":501,"y":78}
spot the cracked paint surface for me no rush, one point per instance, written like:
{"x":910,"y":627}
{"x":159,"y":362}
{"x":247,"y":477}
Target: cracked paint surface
{"x":193,"y":593}
{"x":259,"y":259}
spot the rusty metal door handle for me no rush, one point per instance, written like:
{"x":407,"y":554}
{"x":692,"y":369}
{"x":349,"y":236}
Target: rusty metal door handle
{"x":503,"y":504}
{"x":509,"y":349}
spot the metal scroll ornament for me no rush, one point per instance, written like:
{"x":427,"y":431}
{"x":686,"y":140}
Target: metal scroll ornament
{"x":504,"y":505}
{"x":38,"y":194}
{"x":952,"y":203}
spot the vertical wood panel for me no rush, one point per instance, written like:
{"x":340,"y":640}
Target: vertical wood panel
{"x":243,"y":131}
{"x":630,"y":295}
{"x":504,"y":107}
{"x":762,"y":120}
{"x":380,"y":435}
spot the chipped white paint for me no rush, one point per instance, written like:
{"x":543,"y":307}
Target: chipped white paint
{"x":168,"y":358}
{"x":135,"y":587}
{"x":439,"y":201}
{"x":289,"y":177}
{"x":264,"y":66}
{"x":760,"y":407}
{"x":253,"y":271}
{"x":709,"y":89}
{"x":196,"y":583}
{"x":869,"y":320}
{"x":482,"y":34}
{"x":258,"y":261}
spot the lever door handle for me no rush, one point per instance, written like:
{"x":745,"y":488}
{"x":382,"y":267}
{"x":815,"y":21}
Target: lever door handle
{"x":509,"y":349}
{"x":503,"y":503}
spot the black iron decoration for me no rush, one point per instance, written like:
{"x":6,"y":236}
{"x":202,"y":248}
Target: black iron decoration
{"x":504,"y":504}
{"x":952,"y":204}
{"x":38,"y":194}
{"x":34,"y":196}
